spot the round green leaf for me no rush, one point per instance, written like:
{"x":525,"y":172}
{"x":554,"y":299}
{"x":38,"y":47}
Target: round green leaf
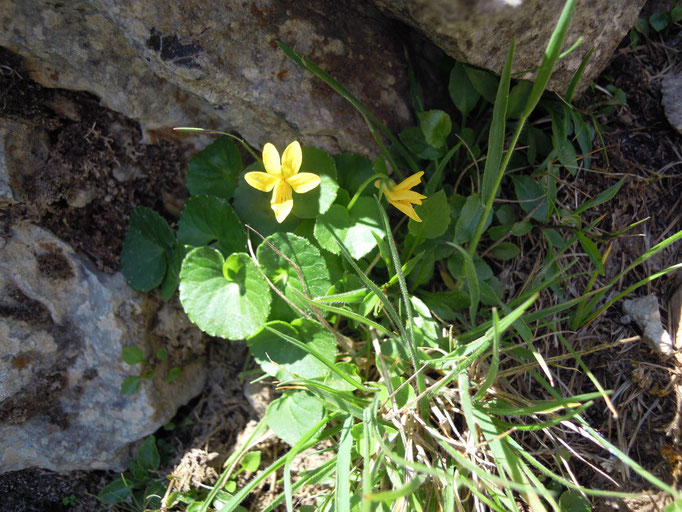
{"x":215,"y":169}
{"x":208,"y":220}
{"x":415,"y":141}
{"x":304,"y":255}
{"x":282,"y":360}
{"x":506,"y":251}
{"x":130,"y":385}
{"x":462,"y":93}
{"x":147,"y":455}
{"x":353,"y":170}
{"x":143,"y":257}
{"x":574,"y":501}
{"x":436,"y":126}
{"x":435,"y":215}
{"x":226,"y":298}
{"x":317,"y":201}
{"x":353,"y":228}
{"x":292,"y":415}
{"x":132,"y":355}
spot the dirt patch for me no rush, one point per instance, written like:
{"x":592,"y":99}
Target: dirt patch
{"x":86,"y":166}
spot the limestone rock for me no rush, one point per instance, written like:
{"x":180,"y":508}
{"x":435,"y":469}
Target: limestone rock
{"x":62,"y":328}
{"x":211,"y":64}
{"x":672,"y":100}
{"x":479,"y":31}
{"x":645,"y":312}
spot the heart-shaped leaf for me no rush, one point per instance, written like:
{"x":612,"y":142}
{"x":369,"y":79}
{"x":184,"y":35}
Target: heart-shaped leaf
{"x":293,"y":415}
{"x":215,"y":169}
{"x":210,"y":220}
{"x":226,"y":298}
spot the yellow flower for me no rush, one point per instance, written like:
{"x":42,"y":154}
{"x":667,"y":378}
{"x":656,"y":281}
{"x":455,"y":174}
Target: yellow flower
{"x":282,"y":177}
{"x":401,"y":196}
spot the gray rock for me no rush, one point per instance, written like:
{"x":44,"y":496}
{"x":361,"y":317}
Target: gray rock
{"x":208,"y":64}
{"x":62,"y":328}
{"x":644,"y":311}
{"x":671,"y":89}
{"x":479,"y":31}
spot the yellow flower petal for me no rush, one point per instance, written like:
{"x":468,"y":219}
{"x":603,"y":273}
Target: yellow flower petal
{"x":261,"y":180}
{"x":407,"y":209}
{"x":271,"y":160}
{"x":304,"y":182}
{"x":291,"y":159}
{"x":281,"y":202}
{"x":410,"y":181}
{"x":404,"y":195}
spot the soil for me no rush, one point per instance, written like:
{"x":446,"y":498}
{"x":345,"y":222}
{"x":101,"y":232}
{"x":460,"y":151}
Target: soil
{"x":93,"y":167}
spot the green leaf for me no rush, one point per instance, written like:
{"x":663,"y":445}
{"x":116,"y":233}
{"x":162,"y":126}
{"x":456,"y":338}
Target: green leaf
{"x":468,"y":219}
{"x":573,"y":501}
{"x":317,"y":201}
{"x":659,"y":20}
{"x":484,"y":82}
{"x":435,"y":214}
{"x":462,"y":92}
{"x":530,"y":195}
{"x":292,"y":415}
{"x":210,"y":220}
{"x":506,"y":251}
{"x":251,"y":461}
{"x":284,"y":361}
{"x":162,"y":354}
{"x":436,"y":126}
{"x":592,"y":252}
{"x":173,"y":374}
{"x":676,"y":13}
{"x":518,"y":98}
{"x":114,"y":493}
{"x":353,"y":170}
{"x":334,"y":381}
{"x":227,"y":298}
{"x":132,"y":355}
{"x":172,"y":278}
{"x":143,"y":257}
{"x":215,"y":169}
{"x":414,"y":140}
{"x":130,"y":385}
{"x":148,"y":455}
{"x":304,"y":255}
{"x":355,"y":228}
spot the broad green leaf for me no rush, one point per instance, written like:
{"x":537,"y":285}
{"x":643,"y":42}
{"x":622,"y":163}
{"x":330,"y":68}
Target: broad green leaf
{"x":130,"y":385}
{"x":292,"y":415}
{"x":353,"y":228}
{"x":484,"y":82}
{"x":444,"y":304}
{"x":505,"y":214}
{"x":143,"y":257}
{"x":414,"y":140}
{"x":304,"y":255}
{"x":226,"y":298}
{"x":518,"y":97}
{"x":659,"y":20}
{"x":436,"y":126}
{"x":402,"y":396}
{"x":317,"y":201}
{"x":172,"y":278}
{"x":132,"y":355}
{"x":573,"y":501}
{"x":676,"y":13}
{"x":148,"y":455}
{"x":253,"y":207}
{"x":353,"y":170}
{"x":462,"y":92}
{"x":506,"y":251}
{"x":251,"y":461}
{"x":215,"y":169}
{"x":521,"y":228}
{"x":210,"y":220}
{"x":284,"y":361}
{"x":468,"y":219}
{"x":173,"y":374}
{"x":530,"y":195}
{"x":334,"y":381}
{"x":114,"y":493}
{"x":435,"y":214}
